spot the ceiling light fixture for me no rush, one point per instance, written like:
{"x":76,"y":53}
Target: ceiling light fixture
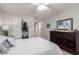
{"x":42,"y":7}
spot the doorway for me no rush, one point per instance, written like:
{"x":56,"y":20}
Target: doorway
{"x":38,"y":28}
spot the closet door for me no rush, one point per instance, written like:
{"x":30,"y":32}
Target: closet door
{"x":17,"y":32}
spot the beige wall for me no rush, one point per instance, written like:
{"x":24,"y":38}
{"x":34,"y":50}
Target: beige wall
{"x":70,"y":13}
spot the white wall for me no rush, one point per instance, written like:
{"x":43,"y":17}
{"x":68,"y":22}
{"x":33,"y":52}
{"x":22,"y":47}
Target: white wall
{"x":11,"y":19}
{"x":46,"y":31}
{"x":70,"y":13}
{"x":0,"y":20}
{"x":0,"y":16}
{"x":31,"y":26}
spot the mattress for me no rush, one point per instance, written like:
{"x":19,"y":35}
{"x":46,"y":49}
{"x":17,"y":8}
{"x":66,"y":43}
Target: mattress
{"x":34,"y":46}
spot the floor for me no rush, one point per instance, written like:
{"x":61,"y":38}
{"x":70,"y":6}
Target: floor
{"x":66,"y":52}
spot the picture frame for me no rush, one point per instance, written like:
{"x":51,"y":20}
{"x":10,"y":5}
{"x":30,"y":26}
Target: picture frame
{"x":65,"y":24}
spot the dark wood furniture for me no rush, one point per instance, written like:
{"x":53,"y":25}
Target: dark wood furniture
{"x":67,"y":40}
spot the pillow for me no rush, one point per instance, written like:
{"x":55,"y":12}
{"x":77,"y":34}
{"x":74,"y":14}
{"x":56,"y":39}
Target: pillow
{"x":2,"y":38}
{"x":4,"y":47}
{"x":11,"y":41}
{"x":6,"y":44}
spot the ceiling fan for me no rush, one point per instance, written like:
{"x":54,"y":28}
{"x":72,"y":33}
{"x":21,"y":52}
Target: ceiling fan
{"x":42,"y":6}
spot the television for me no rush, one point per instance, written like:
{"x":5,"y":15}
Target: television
{"x":65,"y":24}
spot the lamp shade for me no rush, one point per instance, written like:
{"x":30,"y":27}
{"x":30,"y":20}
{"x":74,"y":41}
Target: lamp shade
{"x":5,"y":27}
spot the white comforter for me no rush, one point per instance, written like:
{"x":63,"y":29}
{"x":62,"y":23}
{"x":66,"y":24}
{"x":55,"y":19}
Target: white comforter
{"x":35,"y":46}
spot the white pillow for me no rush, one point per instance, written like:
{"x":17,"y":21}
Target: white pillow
{"x":2,"y":38}
{"x":12,"y":41}
{"x":4,"y":45}
{"x":3,"y":49}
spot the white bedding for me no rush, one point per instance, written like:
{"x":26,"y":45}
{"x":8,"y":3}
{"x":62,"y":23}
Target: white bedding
{"x":34,"y":46}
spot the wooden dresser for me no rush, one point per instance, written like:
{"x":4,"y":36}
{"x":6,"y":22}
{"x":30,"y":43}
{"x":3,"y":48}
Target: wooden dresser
{"x":67,"y":40}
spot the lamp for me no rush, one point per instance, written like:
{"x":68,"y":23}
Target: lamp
{"x":5,"y":29}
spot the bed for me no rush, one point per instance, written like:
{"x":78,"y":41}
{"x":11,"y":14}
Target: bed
{"x":34,"y":46}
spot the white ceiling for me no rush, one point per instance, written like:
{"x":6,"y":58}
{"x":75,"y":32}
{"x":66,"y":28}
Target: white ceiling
{"x":30,"y":9}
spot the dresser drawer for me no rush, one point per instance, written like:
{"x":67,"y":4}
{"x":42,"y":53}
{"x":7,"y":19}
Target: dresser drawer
{"x":68,"y":48}
{"x":66,"y":40}
{"x":70,"y":37}
{"x":69,"y":43}
{"x":69,"y":33}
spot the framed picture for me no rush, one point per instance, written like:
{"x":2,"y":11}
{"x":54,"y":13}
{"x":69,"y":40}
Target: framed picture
{"x":66,"y":24}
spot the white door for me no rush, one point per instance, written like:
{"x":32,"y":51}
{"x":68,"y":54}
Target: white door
{"x":38,"y":29}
